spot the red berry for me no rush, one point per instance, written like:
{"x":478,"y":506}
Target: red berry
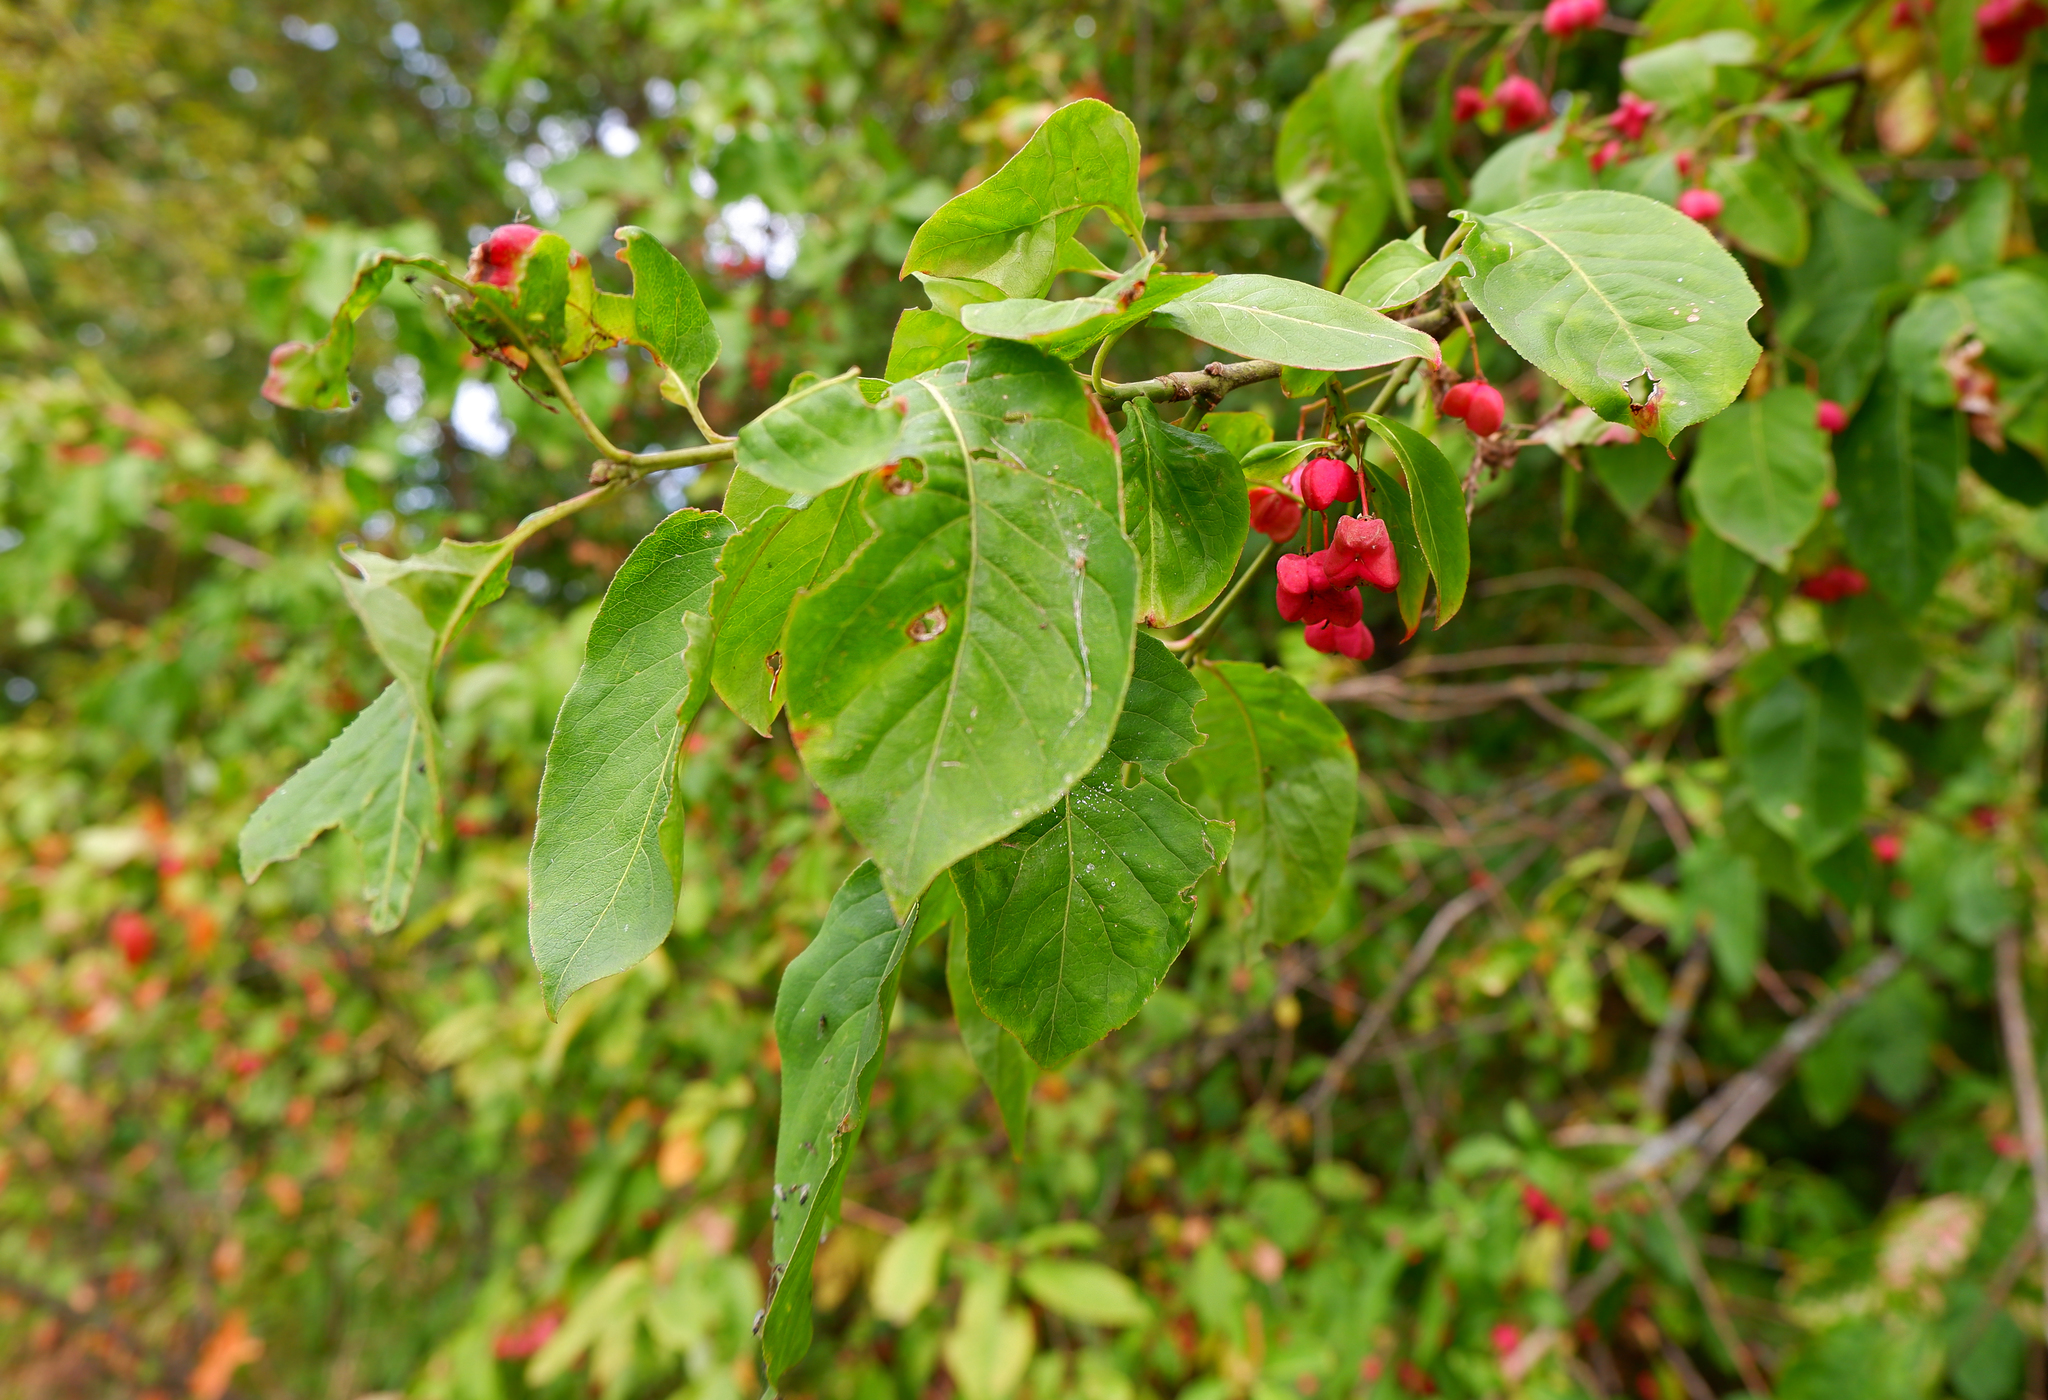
{"x":2003,"y":26}
{"x":1275,"y":514}
{"x":1608,"y":154}
{"x":1561,"y":18}
{"x":1457,"y":400}
{"x":1829,"y":417}
{"x":1903,"y":14}
{"x":1466,"y":103}
{"x":1487,"y":410}
{"x":1685,"y":162}
{"x":133,"y":936}
{"x":1887,"y":847}
{"x":1506,"y":1337}
{"x":1326,"y":481}
{"x":1702,"y":205}
{"x":1341,"y":606}
{"x":1302,"y":574}
{"x":1361,"y":550}
{"x":1352,"y":640}
{"x":495,"y":261}
{"x":1600,"y":1238}
{"x":1633,"y":115}
{"x":1542,"y":1210}
{"x":1521,"y":102}
{"x":1834,"y":583}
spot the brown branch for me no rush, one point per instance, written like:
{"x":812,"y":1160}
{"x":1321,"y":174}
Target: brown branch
{"x":2026,"y":1075}
{"x":1714,"y":1126}
{"x":1668,"y":815}
{"x":1710,"y":1295}
{"x":1685,"y":994}
{"x":1606,"y":587}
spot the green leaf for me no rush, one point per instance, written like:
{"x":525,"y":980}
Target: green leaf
{"x":1337,"y":161}
{"x":1391,"y":502}
{"x":1719,"y":896}
{"x":553,"y":304}
{"x":1239,"y":433}
{"x":372,"y":780}
{"x":1004,"y":1064}
{"x":600,"y":893}
{"x":1280,"y":767}
{"x":1085,"y":1292}
{"x":1528,"y":166}
{"x":1273,"y":318}
{"x":969,"y":664}
{"x":1437,"y":496}
{"x":1822,"y":157}
{"x":669,"y":318}
{"x":747,"y":497}
{"x":1633,"y":473}
{"x":1073,"y":919}
{"x":1600,"y":288}
{"x":824,"y":433}
{"x":1268,"y":463}
{"x":1008,"y":231}
{"x":990,"y":1346}
{"x":1400,"y":272}
{"x":1066,"y":328}
{"x":831,"y":1023}
{"x":1717,"y":574}
{"x":925,"y":340}
{"x":316,"y":376}
{"x":906,"y":1276}
{"x":1840,"y":297}
{"x":786,"y":550}
{"x":1879,"y":650}
{"x":1896,"y":470}
{"x":1760,"y":473}
{"x":1802,"y":752}
{"x":1684,"y":72}
{"x":1761,"y":208}
{"x":1186,"y":513}
{"x":2014,"y":473}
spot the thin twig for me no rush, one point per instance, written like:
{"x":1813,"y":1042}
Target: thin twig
{"x":1668,"y":815}
{"x":1710,"y":1295}
{"x":1606,"y":587}
{"x":1685,"y":994}
{"x":2026,"y":1076}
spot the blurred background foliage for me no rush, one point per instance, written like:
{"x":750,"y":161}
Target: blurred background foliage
{"x":248,"y":1149}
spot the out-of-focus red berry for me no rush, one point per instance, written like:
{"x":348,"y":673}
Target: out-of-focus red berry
{"x":1601,"y":1238}
{"x":2003,"y":27}
{"x":1608,"y":154}
{"x":1542,"y":1210}
{"x":1354,"y":640}
{"x":1521,"y":102}
{"x":1506,"y":1337}
{"x":1834,"y":583}
{"x":1466,"y":103}
{"x":133,"y":936}
{"x":1887,"y":847}
{"x":1274,"y":514}
{"x":1701,"y":205}
{"x":1632,"y":115}
{"x":1830,"y":417}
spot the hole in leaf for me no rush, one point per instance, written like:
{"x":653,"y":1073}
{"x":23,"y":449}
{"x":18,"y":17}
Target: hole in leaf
{"x":930,"y":626}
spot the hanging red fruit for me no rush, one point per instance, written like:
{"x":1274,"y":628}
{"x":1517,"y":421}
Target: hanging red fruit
{"x":1275,"y":514}
{"x":1487,"y":410}
{"x":1704,"y":206}
{"x":1322,"y":482}
{"x":1354,"y":640}
{"x":1521,"y":102}
{"x":1360,"y":551}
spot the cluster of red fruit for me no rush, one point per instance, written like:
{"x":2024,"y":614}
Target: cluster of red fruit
{"x":1478,"y":403}
{"x":1521,"y":102}
{"x":1564,"y":18}
{"x":1320,"y":589}
{"x":1834,"y":583}
{"x":2003,"y":27}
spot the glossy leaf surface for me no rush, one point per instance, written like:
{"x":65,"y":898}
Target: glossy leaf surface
{"x":1760,"y":473}
{"x":1437,"y":498}
{"x":1272,"y":318}
{"x":1185,"y":511}
{"x":819,"y":436}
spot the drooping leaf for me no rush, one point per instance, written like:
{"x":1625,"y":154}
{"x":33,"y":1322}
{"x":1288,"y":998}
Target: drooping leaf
{"x":1720,"y":897}
{"x":1683,"y":72}
{"x":1008,"y":231}
{"x":373,"y":781}
{"x":1337,"y":160}
{"x":1600,"y":288}
{"x":824,"y":433}
{"x":1004,"y":1064}
{"x":1186,"y":513}
{"x":1086,"y":1292}
{"x":1762,"y":211}
{"x":1437,"y":497}
{"x":1269,"y":462}
{"x":1280,"y":767}
{"x":1633,"y":473}
{"x":1391,"y":501}
{"x":1073,"y":919}
{"x":1840,"y":296}
{"x":968,"y":665}
{"x":1802,"y":752}
{"x":831,"y":1023}
{"x":1398,"y":273}
{"x":785,"y":550}
{"x":1534,"y":164}
{"x":600,"y":893}
{"x":1066,"y":328}
{"x":669,"y":318}
{"x":1760,"y":473}
{"x":1717,"y":574}
{"x":1273,"y":318}
{"x":924,"y":341}
{"x":316,"y":376}
{"x":1896,"y":470}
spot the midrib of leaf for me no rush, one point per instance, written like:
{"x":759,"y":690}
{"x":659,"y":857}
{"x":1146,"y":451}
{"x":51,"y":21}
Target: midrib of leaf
{"x":1256,"y":312}
{"x":1627,"y":330}
{"x":634,"y":861}
{"x":398,"y":821}
{"x":966,"y":609}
